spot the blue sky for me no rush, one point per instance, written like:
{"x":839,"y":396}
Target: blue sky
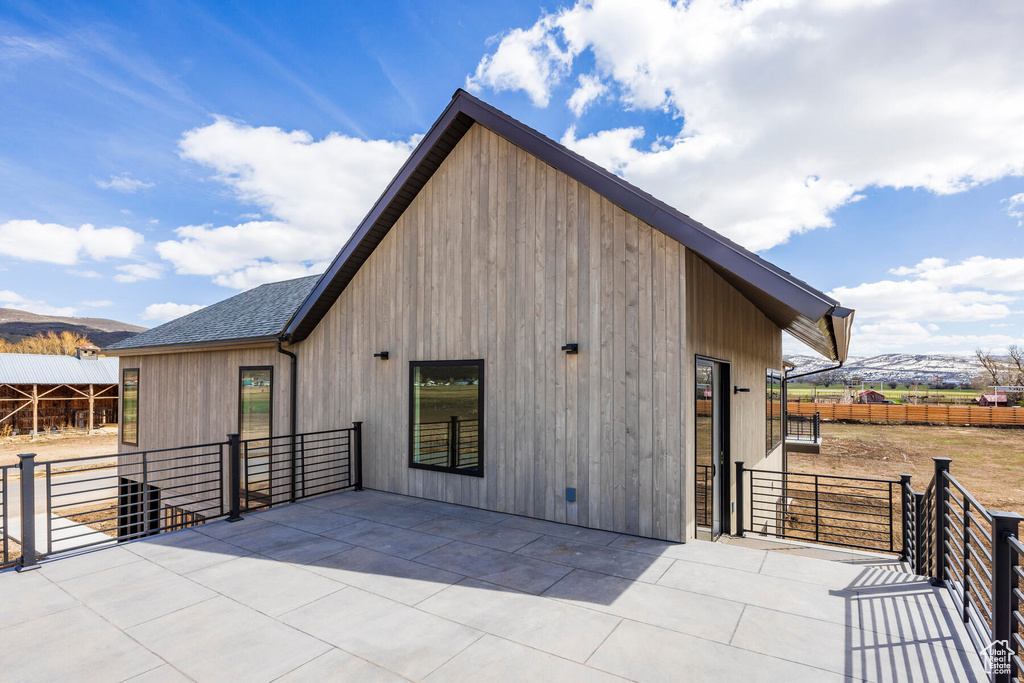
{"x":874,"y":149}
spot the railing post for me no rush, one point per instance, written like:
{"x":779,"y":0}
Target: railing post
{"x":29,"y":557}
{"x":817,"y":511}
{"x":739,"y":499}
{"x":904,"y":498}
{"x":453,"y":445}
{"x":919,"y":534}
{"x":817,"y":426}
{"x":1004,"y":524}
{"x":234,"y":477}
{"x":356,"y":454}
{"x":941,"y":502}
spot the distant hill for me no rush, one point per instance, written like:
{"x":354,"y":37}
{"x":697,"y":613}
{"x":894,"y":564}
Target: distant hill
{"x":899,"y":367}
{"x":16,"y":325}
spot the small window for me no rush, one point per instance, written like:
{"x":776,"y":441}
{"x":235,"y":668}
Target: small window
{"x":130,"y":406}
{"x":446,"y":416}
{"x":773,"y":410}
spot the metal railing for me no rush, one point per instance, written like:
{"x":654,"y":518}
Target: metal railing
{"x":851,"y":512}
{"x":98,"y":500}
{"x":1015,"y":549}
{"x":448,"y":443}
{"x":94,"y":501}
{"x":703,"y":494}
{"x":942,"y":532}
{"x":283,"y":469}
{"x":7,"y":556}
{"x":803,"y":427}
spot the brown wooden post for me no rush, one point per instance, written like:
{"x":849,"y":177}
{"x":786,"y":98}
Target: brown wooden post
{"x":35,"y":409}
{"x":92,"y":404}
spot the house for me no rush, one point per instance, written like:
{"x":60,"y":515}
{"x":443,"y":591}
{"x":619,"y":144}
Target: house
{"x":871,"y":396}
{"x":41,"y":392}
{"x":611,"y":357}
{"x":997,"y":400}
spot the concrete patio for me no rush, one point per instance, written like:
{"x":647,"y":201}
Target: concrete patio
{"x":373,"y":586}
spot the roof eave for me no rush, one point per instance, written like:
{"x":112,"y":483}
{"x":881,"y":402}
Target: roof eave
{"x":216,"y":345}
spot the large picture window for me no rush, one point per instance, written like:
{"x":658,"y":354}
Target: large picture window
{"x":773,"y":410}
{"x":446,"y":416}
{"x":130,"y":406}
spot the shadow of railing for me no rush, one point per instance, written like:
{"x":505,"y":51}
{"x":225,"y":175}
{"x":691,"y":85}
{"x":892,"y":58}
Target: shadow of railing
{"x":900,"y":627}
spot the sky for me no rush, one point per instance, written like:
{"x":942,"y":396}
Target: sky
{"x":158,"y":157}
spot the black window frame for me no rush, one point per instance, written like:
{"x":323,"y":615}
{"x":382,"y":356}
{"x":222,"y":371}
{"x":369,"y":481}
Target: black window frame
{"x":479,"y":363}
{"x":138,"y":399}
{"x":270,"y":425}
{"x":773,"y":440}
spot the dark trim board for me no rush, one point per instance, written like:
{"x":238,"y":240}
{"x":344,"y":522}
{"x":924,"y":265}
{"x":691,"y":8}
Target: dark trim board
{"x":793,"y":305}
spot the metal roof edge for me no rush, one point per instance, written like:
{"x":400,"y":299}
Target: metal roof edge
{"x":215,"y":345}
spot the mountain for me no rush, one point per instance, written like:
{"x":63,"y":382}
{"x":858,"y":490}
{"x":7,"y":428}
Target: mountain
{"x":16,"y":325}
{"x":899,"y":367}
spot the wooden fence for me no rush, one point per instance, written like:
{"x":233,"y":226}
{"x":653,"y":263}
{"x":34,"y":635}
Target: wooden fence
{"x":943,"y":415}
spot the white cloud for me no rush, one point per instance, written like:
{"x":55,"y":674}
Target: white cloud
{"x":9,"y":299}
{"x":1015,"y":207}
{"x":533,"y":60}
{"x":123,"y":183}
{"x":261,"y":273}
{"x":312,"y":194}
{"x":84,"y":273}
{"x":787,"y":110}
{"x":589,"y":90}
{"x":31,"y":240}
{"x":921,"y":300}
{"x":133,"y":272}
{"x":168,"y":311}
{"x":98,"y":303}
{"x":996,"y":274}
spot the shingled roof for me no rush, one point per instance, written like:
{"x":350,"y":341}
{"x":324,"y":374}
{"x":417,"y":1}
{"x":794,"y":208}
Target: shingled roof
{"x":259,"y":314}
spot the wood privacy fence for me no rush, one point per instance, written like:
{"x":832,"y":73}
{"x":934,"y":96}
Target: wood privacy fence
{"x":943,"y":415}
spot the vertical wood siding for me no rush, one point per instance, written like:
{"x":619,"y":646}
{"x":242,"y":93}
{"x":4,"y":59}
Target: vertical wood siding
{"x":724,"y":325}
{"x":504,"y":258}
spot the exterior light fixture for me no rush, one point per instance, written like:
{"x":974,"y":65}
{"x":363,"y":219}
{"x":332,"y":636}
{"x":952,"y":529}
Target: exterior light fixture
{"x":571,"y":348}
{"x":383,"y":355}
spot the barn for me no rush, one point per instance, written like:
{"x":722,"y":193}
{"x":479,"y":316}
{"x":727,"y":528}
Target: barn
{"x":871,"y":396}
{"x":516,"y":329}
{"x":44,"y":393}
{"x":997,"y":400}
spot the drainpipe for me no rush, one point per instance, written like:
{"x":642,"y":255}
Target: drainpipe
{"x":292,"y":417}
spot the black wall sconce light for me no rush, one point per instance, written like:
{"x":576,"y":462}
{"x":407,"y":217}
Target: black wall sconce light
{"x":383,"y":355}
{"x":571,"y":348}
{"x":741,"y":390}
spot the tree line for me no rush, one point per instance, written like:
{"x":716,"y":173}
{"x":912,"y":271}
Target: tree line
{"x":51,"y":344}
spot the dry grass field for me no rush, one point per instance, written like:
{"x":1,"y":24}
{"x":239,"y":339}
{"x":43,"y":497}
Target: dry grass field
{"x":51,"y":448}
{"x":988,"y":461}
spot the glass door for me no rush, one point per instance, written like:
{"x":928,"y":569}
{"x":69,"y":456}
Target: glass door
{"x":709,"y":454}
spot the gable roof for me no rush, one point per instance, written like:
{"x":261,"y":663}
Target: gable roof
{"x":808,"y":314}
{"x":33,"y":368}
{"x":258,"y":315}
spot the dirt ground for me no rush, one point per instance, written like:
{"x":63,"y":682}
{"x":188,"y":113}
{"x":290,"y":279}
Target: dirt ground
{"x":989,"y":462}
{"x":49,"y":448}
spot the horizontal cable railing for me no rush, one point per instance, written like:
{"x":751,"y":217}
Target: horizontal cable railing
{"x":8,"y":549}
{"x":448,"y":443}
{"x":283,"y":469}
{"x":705,"y":480}
{"x":98,"y":500}
{"x":803,"y":427}
{"x":1016,"y":640}
{"x":843,"y":511}
{"x":92,"y":501}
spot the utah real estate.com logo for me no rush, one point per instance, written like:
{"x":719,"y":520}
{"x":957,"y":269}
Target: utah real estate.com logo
{"x":997,"y":657}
